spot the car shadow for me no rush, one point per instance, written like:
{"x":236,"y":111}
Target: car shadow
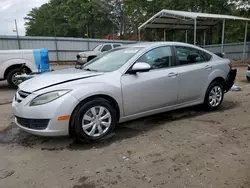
{"x":245,"y":81}
{"x":4,"y":85}
{"x":13,"y":135}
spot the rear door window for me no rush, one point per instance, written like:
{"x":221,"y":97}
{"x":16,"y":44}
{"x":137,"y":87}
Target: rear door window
{"x":188,"y":55}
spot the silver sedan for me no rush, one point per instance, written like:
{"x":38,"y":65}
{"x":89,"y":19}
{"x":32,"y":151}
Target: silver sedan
{"x":120,"y":85}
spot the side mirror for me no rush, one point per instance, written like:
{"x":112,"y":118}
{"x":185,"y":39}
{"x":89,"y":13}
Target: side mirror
{"x":140,"y":67}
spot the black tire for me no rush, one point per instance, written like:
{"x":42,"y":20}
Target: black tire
{"x":10,"y":74}
{"x":248,"y":79}
{"x":207,"y":103}
{"x":79,"y":133}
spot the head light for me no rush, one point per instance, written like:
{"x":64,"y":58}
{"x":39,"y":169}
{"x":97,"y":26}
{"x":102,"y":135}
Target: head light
{"x":48,"y":97}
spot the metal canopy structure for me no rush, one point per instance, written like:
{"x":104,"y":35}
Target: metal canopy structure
{"x":181,"y":20}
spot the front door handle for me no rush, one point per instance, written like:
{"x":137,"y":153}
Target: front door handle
{"x":172,"y":74}
{"x":208,"y":67}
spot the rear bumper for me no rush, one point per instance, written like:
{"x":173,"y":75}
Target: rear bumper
{"x":230,"y":79}
{"x":248,"y":74}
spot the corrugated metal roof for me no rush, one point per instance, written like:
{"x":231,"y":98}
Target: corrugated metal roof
{"x":173,"y":19}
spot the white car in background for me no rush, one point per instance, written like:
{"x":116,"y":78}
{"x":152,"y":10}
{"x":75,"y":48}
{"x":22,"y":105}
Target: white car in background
{"x":16,"y":62}
{"x":86,"y":56}
{"x":248,"y":73}
{"x":11,"y":62}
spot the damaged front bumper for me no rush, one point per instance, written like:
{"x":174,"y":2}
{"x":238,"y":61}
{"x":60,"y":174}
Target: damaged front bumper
{"x":230,"y":79}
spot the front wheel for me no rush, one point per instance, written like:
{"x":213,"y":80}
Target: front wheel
{"x":94,"y":120}
{"x":214,"y":96}
{"x":11,"y":77}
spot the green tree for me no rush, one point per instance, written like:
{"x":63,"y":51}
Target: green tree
{"x":73,"y":18}
{"x":76,"y":18}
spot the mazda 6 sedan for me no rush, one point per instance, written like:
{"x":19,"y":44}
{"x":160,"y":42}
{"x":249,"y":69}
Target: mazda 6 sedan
{"x":123,"y":84}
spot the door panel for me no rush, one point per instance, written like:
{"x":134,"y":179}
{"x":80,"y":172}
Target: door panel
{"x":192,"y":79}
{"x":154,"y":89}
{"x":150,"y":90}
{"x":194,"y":69}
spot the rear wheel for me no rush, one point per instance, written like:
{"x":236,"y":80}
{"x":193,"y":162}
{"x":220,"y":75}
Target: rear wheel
{"x":94,"y":120}
{"x":248,"y":79}
{"x":214,"y":96}
{"x":11,"y":77}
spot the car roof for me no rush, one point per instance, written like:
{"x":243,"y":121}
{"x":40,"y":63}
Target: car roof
{"x":156,"y":44}
{"x":152,"y":44}
{"x":149,"y":45}
{"x":109,"y":43}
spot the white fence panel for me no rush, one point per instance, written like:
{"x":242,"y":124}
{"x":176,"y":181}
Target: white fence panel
{"x":67,"y":48}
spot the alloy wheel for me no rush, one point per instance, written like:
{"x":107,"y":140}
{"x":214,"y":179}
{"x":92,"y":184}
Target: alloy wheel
{"x":14,"y":79}
{"x":96,"y":121}
{"x":215,"y":96}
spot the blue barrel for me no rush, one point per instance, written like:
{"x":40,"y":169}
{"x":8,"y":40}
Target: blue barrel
{"x":41,"y":57}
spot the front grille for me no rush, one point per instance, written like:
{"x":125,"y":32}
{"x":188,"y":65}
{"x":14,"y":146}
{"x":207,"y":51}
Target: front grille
{"x":23,"y":94}
{"x":37,"y":124}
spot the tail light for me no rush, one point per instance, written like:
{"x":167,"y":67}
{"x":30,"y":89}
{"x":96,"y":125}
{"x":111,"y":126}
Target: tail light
{"x":231,"y":64}
{"x":248,"y":68}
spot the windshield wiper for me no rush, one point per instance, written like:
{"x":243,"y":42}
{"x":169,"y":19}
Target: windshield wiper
{"x":88,"y":69}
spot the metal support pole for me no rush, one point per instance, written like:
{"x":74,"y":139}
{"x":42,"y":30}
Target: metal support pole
{"x":186,"y":37}
{"x":164,"y":34}
{"x":245,"y":42}
{"x":113,"y":33}
{"x":88,"y":43}
{"x":88,"y":36}
{"x":195,"y":28}
{"x":223,"y":36}
{"x":57,"y":56}
{"x":204,"y":41}
{"x":139,"y":32}
{"x":17,"y":35}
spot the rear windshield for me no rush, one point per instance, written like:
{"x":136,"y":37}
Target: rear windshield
{"x":97,"y":48}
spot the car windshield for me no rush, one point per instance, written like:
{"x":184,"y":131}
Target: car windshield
{"x":111,"y":60}
{"x":97,"y":48}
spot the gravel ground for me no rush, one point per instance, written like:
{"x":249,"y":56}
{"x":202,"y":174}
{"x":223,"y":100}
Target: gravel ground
{"x":186,"y":148}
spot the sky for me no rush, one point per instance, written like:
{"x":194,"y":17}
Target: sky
{"x":15,"y":9}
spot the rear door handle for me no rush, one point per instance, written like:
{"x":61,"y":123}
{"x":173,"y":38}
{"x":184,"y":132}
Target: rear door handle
{"x":208,"y":67}
{"x":172,"y":74}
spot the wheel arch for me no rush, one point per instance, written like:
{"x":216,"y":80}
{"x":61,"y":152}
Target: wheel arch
{"x":113,"y":102}
{"x":219,"y":79}
{"x":11,"y":67}
{"x":216,"y":79}
{"x":9,"y":64}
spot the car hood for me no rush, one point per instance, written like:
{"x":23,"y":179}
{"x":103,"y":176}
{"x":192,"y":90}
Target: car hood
{"x":53,"y":78}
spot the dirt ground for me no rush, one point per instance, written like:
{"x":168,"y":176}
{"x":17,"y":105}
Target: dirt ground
{"x":188,"y":148}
